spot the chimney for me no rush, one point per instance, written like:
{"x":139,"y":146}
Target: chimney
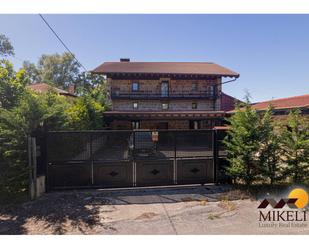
{"x":71,"y":89}
{"x":124,"y":59}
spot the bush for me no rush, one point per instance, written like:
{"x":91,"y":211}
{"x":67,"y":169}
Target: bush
{"x":242,"y":144}
{"x":295,"y":145}
{"x":261,"y":150}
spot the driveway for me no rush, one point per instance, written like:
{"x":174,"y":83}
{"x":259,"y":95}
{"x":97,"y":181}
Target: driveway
{"x":185,"y":210}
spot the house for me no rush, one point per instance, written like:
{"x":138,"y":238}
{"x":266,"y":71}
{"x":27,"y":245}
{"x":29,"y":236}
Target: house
{"x":165,"y":95}
{"x":283,"y":106}
{"x":44,"y":88}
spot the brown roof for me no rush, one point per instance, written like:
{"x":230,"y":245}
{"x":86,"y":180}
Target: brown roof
{"x":284,"y":103}
{"x":198,"y":68}
{"x":44,"y":88}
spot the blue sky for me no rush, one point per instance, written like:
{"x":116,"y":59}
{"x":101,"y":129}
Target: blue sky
{"x":271,"y":52}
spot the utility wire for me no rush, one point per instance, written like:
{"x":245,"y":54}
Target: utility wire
{"x":62,"y":42}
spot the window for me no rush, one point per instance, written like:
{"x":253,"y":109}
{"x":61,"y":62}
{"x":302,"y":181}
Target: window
{"x":164,"y":106}
{"x":135,"y":105}
{"x":135,"y":86}
{"x":194,"y":105}
{"x":194,"y":86}
{"x":135,"y":125}
{"x":194,"y":124}
{"x":164,"y":89}
{"x":211,"y":90}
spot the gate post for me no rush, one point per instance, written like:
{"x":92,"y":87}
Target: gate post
{"x":32,"y":167}
{"x":133,"y":160}
{"x":44,"y":152}
{"x":175,"y":156}
{"x":91,"y":160}
{"x":215,"y":153}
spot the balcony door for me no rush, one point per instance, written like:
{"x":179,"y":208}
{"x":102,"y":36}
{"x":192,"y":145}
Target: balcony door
{"x":164,"y":89}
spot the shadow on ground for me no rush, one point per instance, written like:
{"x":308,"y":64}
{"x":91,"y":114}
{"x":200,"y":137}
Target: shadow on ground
{"x":80,"y":209}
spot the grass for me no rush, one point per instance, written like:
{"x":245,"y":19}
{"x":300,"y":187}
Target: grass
{"x":257,"y":191}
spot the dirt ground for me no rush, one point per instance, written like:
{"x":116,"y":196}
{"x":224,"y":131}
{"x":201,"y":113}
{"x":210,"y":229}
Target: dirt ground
{"x":185,"y":210}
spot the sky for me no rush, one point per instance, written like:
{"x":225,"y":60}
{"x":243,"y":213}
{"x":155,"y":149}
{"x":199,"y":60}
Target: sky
{"x":270,"y":52}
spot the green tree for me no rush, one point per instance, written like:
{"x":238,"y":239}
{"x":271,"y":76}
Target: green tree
{"x":32,"y":72}
{"x":58,"y":69}
{"x":12,"y":85}
{"x":295,"y":145}
{"x":6,"y":48}
{"x":242,"y":143}
{"x":85,"y":114}
{"x":269,"y":148}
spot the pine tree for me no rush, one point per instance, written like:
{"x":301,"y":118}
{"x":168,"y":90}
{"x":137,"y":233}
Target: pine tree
{"x":242,"y":144}
{"x":269,"y":152}
{"x":295,"y":145}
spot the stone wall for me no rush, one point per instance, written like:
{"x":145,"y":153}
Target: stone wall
{"x":156,"y":105}
{"x":175,"y":86}
{"x":172,"y":124}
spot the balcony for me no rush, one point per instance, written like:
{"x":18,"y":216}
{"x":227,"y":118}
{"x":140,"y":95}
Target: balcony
{"x":143,"y":95}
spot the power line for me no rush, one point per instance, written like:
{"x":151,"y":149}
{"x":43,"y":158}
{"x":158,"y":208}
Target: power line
{"x":62,"y":42}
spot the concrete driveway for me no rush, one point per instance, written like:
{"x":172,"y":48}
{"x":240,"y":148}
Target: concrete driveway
{"x":185,"y":210}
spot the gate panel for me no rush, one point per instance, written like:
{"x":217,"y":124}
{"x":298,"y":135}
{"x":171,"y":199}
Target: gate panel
{"x":131,"y":158}
{"x":154,"y":172}
{"x":113,"y":174}
{"x":195,"y":171}
{"x":69,"y":175}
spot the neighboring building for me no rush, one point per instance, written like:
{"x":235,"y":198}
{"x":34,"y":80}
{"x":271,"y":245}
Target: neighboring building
{"x":164,"y":95}
{"x":284,"y":105}
{"x":44,"y":88}
{"x":228,"y":102}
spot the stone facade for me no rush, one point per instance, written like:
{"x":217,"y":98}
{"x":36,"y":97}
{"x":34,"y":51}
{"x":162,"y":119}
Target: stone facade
{"x":175,"y":87}
{"x":171,"y":124}
{"x":156,"y":105}
{"x":183,"y":87}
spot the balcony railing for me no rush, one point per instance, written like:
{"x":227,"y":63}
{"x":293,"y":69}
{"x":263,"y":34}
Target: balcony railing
{"x":168,"y":95}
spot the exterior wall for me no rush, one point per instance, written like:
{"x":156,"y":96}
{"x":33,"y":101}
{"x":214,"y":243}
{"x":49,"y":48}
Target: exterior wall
{"x":154,"y":86}
{"x":175,"y":87}
{"x":172,"y":124}
{"x":120,"y":125}
{"x":156,"y":105}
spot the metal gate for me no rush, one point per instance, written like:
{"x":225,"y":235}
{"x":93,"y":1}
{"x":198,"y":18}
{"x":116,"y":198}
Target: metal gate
{"x":130,"y":158}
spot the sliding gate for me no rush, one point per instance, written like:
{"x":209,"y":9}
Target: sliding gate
{"x":130,"y":158}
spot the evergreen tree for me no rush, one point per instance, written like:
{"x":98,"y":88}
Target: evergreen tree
{"x":269,"y":152}
{"x":295,"y":145}
{"x":242,"y":143}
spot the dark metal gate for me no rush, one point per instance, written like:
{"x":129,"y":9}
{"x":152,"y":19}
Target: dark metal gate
{"x":130,"y":158}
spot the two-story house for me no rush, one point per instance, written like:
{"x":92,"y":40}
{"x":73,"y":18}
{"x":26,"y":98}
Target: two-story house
{"x":164,"y":95}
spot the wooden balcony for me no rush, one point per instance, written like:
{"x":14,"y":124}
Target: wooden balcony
{"x":143,"y":95}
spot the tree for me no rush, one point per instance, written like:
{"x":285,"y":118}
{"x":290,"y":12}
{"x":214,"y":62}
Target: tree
{"x":60,"y":70}
{"x":12,"y":85}
{"x":269,"y":149}
{"x":32,"y":72}
{"x":295,"y":145}
{"x":6,"y":48}
{"x":85,"y":114}
{"x":242,"y":143}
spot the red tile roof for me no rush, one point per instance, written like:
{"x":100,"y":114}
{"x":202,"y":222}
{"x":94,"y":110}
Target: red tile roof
{"x":197,"y":68}
{"x":44,"y":88}
{"x":284,"y":103}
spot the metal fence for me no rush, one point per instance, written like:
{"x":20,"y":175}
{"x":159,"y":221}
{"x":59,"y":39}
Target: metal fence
{"x":130,"y":158}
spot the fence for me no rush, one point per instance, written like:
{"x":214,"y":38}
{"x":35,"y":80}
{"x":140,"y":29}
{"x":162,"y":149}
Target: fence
{"x":131,"y":158}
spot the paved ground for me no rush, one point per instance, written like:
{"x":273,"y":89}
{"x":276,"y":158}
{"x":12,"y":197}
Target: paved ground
{"x":189,"y":210}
